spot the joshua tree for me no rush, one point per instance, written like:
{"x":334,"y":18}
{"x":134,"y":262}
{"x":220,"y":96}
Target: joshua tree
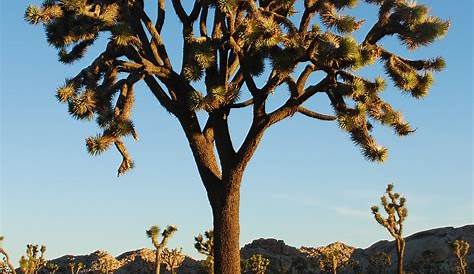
{"x":52,"y":268}
{"x":6,"y":265}
{"x":205,"y":246}
{"x":394,"y":206}
{"x":257,"y":264}
{"x":75,"y":268}
{"x":153,"y":233}
{"x":460,"y":249}
{"x":173,"y":259}
{"x":34,"y":259}
{"x":331,"y":260}
{"x":231,"y":46}
{"x":379,"y":262}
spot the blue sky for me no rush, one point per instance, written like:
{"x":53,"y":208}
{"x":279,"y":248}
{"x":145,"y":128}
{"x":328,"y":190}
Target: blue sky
{"x":307,"y":184}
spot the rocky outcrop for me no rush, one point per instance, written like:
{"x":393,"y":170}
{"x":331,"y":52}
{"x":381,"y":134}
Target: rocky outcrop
{"x":427,"y":252}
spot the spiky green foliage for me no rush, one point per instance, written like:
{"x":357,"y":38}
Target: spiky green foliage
{"x":256,"y":264}
{"x":395,"y":207}
{"x":419,"y":28}
{"x":461,"y":249}
{"x":172,"y":259}
{"x":262,"y":32}
{"x":205,"y":245}
{"x":245,"y":40}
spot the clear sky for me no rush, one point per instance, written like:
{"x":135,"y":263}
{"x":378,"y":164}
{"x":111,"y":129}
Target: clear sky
{"x":307,"y":184}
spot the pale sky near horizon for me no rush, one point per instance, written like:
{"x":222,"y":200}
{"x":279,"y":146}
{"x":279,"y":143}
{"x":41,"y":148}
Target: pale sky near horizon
{"x":307,"y":184}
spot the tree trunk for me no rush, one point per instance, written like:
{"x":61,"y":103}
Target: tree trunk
{"x":400,"y":254}
{"x":157,"y":261}
{"x":225,"y":207}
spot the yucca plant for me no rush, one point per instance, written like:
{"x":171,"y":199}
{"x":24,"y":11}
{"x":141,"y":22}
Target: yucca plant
{"x":270,"y":39}
{"x":256,"y":264}
{"x":154,"y":233}
{"x":395,"y":207}
{"x":34,"y":260}
{"x":205,"y":246}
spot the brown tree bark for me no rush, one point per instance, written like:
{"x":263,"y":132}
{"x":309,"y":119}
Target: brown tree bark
{"x":400,"y":255}
{"x":157,"y":261}
{"x":225,"y":208}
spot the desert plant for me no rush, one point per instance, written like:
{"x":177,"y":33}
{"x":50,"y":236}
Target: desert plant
{"x":395,"y":207}
{"x":5,"y":266}
{"x":225,"y":55}
{"x":34,"y":260}
{"x":172,"y":259}
{"x":153,"y":233}
{"x":379,"y":262}
{"x":460,"y":249}
{"x":330,"y":260}
{"x":256,"y":264}
{"x":104,"y":263}
{"x":52,"y":267}
{"x":205,"y":245}
{"x":75,"y":268}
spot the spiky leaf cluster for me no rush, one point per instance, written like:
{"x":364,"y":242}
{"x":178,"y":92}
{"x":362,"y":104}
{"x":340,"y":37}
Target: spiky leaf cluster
{"x":73,"y":25}
{"x":205,"y":245}
{"x":244,"y":37}
{"x":214,"y":98}
{"x":263,"y":33}
{"x":407,"y":78}
{"x":332,"y":19}
{"x":154,"y":232}
{"x":418,"y":27}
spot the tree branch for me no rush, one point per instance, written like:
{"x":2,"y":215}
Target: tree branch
{"x":313,"y":114}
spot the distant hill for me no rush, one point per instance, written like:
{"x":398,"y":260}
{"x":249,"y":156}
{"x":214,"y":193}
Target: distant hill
{"x":426,"y":252}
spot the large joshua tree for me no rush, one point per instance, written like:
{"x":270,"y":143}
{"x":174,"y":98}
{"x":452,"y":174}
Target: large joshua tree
{"x":226,"y":45}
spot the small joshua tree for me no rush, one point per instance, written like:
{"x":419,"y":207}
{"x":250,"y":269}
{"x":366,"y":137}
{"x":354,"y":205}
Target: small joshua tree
{"x":257,"y":264}
{"x":6,"y":266}
{"x":379,"y":262}
{"x":330,"y":260}
{"x":75,"y":268}
{"x":394,"y":206}
{"x":52,"y":268}
{"x":172,"y":259}
{"x":34,"y":259}
{"x":153,"y":233}
{"x":461,"y":248}
{"x":205,"y":246}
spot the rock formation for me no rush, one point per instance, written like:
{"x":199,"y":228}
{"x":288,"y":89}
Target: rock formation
{"x":427,"y":252}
